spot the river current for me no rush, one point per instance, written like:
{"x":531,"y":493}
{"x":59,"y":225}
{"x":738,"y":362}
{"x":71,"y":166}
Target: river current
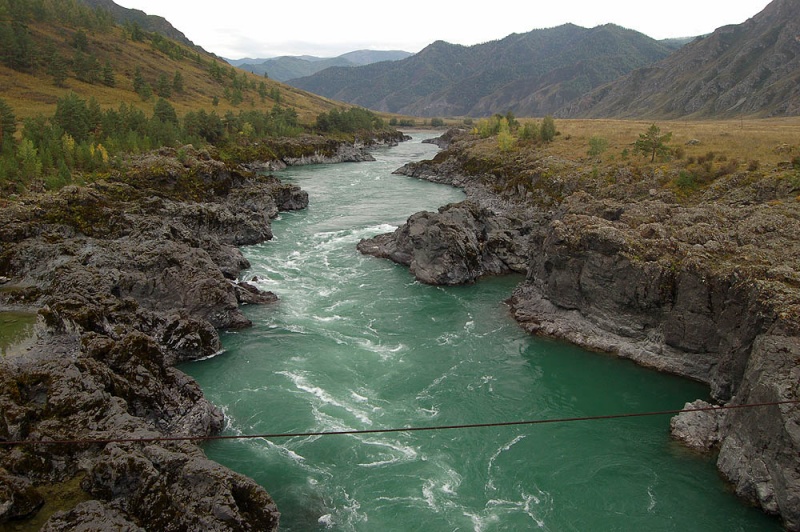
{"x":355,"y":343}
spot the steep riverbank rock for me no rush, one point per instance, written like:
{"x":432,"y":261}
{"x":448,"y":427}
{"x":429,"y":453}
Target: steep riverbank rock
{"x":130,"y":276}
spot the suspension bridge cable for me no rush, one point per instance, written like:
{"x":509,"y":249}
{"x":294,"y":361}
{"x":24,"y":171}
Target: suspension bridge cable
{"x":156,"y":439}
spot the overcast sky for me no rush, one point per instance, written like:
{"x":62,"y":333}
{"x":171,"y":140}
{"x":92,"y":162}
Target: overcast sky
{"x":245,"y":28}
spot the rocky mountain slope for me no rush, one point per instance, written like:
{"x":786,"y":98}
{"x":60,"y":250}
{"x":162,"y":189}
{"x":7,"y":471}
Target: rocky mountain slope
{"x":620,"y":260}
{"x":291,"y":67}
{"x":747,"y":69}
{"x":531,"y":74}
{"x":152,"y":23}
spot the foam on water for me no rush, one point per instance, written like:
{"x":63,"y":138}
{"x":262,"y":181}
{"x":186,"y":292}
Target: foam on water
{"x":321,"y":398}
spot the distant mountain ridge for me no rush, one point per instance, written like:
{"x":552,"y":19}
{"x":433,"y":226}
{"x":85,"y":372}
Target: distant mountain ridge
{"x":533,"y":73}
{"x":751,"y":68}
{"x":289,"y":67}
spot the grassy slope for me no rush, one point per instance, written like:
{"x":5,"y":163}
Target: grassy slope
{"x":35,"y":93}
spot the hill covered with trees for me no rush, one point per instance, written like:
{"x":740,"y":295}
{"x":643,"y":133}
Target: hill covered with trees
{"x":76,"y":88}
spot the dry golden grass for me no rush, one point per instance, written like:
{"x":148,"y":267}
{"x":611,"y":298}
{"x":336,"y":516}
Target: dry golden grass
{"x":768,"y":141}
{"x":31,"y":94}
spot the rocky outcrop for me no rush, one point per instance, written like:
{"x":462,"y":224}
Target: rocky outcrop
{"x":278,"y":154}
{"x":130,"y":276}
{"x":697,"y":426}
{"x":457,"y":245}
{"x":443,"y":141}
{"x":705,"y":289}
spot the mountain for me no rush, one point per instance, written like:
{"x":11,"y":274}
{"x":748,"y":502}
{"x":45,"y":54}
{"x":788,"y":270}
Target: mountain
{"x":534,"y":73}
{"x":152,"y":23}
{"x":289,"y":67}
{"x":367,"y":57}
{"x":49,"y":49}
{"x":751,"y":68}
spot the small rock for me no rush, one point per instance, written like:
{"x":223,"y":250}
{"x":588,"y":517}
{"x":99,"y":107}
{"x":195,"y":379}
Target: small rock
{"x":697,"y":429}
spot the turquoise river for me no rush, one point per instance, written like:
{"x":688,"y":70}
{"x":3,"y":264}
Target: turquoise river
{"x":356,"y":343}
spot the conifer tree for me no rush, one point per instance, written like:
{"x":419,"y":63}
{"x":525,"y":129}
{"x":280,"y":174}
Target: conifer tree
{"x":653,"y":143}
{"x":58,"y":69}
{"x":177,"y":83}
{"x":73,"y":116}
{"x":163,"y":86}
{"x":109,"y":79}
{"x":8,"y":123}
{"x":548,"y":130}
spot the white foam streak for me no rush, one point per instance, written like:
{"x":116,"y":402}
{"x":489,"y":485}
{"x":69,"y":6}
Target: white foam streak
{"x":490,"y":485}
{"x":323,"y":398}
{"x":403,"y":453}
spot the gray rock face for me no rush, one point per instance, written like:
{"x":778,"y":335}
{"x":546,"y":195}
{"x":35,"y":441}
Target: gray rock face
{"x":18,"y":497}
{"x":130,"y":276}
{"x":457,"y":245}
{"x":698,"y":429}
{"x":90,"y":516}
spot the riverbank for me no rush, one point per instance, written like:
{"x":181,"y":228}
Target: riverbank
{"x":130,"y":275}
{"x":704,"y":286}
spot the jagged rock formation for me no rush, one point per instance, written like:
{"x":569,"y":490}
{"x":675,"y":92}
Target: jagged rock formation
{"x":744,"y":69}
{"x":706,"y":289}
{"x":130,"y":276}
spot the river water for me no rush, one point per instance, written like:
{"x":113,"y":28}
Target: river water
{"x":355,"y":343}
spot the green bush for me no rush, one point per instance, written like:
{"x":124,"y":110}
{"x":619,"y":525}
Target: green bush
{"x":597,"y":145}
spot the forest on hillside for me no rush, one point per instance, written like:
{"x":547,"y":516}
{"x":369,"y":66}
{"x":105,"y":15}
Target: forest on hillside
{"x":63,"y":44}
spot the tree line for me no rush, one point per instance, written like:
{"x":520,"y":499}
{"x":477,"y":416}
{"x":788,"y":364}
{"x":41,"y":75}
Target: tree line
{"x":81,"y":138}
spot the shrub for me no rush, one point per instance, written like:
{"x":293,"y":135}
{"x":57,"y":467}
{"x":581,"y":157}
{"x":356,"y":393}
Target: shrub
{"x":686,"y":181}
{"x":597,"y":145}
{"x":530,"y":131}
{"x":548,"y":130}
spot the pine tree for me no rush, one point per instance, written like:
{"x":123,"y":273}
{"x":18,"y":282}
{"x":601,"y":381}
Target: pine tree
{"x":58,"y":69}
{"x":142,"y":88}
{"x":548,"y":130}
{"x":164,"y":111}
{"x":653,"y":143}
{"x":20,"y":55}
{"x":177,"y":83}
{"x":108,"y":75}
{"x":73,"y":116}
{"x":163,"y":86}
{"x":8,"y":124}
